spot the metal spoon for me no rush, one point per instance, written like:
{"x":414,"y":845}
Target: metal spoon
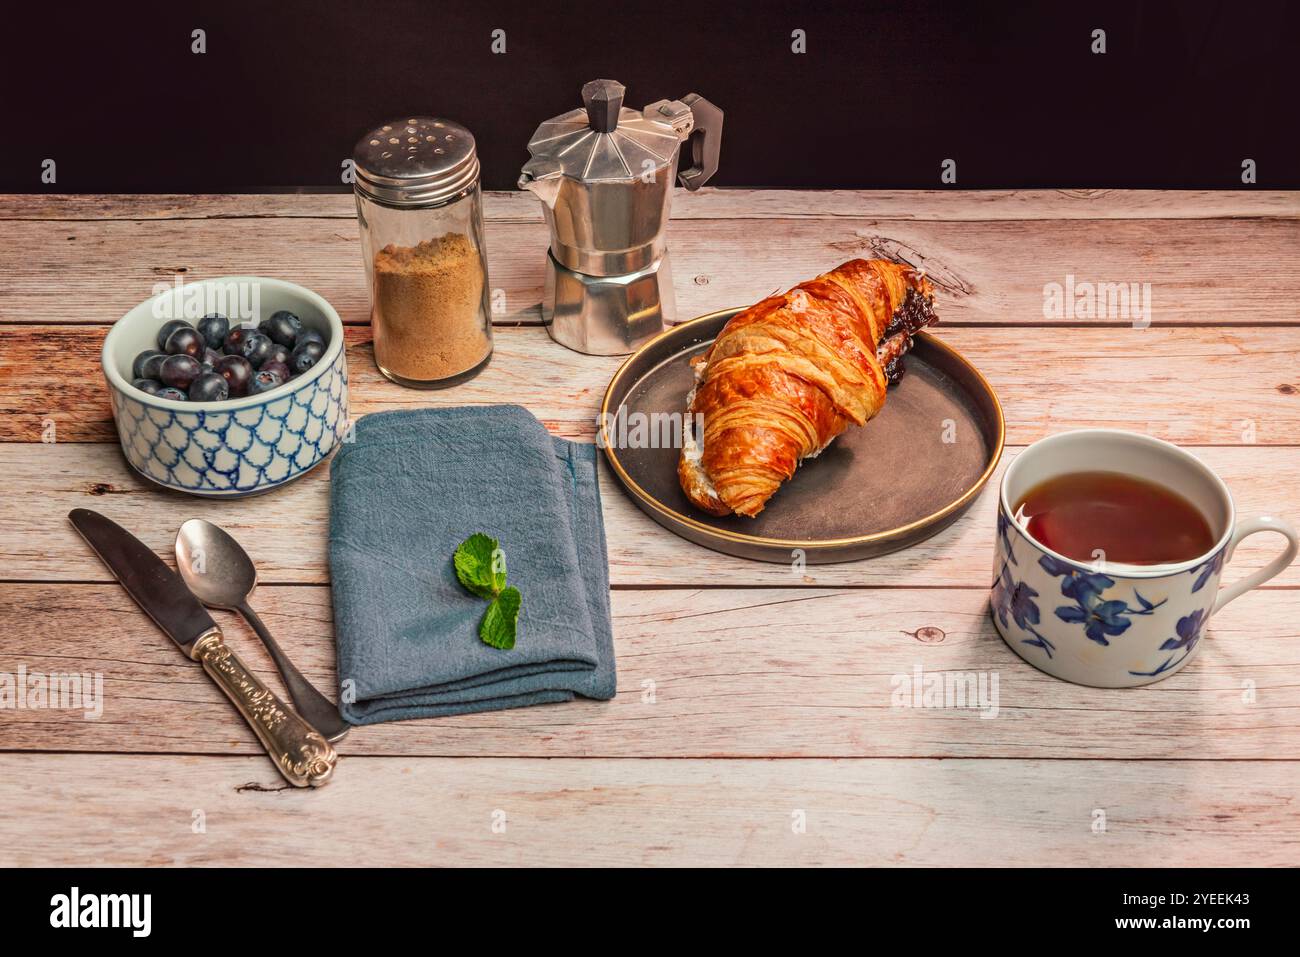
{"x":221,"y":575}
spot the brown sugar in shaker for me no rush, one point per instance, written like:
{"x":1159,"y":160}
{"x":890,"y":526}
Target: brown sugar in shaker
{"x":419,"y":208}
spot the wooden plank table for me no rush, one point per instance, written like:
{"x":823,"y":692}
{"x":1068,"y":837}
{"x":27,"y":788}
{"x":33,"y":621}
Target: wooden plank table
{"x":754,"y":720}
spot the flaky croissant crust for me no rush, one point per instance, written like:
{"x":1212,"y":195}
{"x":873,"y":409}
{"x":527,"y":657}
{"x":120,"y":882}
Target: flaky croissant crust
{"x":788,"y":375}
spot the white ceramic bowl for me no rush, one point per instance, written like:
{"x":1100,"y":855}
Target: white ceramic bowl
{"x":240,"y":446}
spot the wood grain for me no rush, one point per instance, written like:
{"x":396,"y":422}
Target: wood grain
{"x":747,"y":693}
{"x":946,"y":205}
{"x":988,"y":273}
{"x":141,"y":810}
{"x":40,"y":484}
{"x":1220,"y":386}
{"x":561,"y":387}
{"x":714,"y":673}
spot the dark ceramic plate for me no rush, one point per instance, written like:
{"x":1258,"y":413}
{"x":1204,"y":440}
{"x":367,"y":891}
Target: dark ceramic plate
{"x":905,"y":475}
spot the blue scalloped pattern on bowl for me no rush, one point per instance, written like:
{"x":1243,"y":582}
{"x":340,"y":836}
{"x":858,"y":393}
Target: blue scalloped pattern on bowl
{"x":240,"y":452}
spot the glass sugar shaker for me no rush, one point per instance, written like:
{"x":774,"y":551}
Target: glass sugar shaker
{"x":419,"y":207}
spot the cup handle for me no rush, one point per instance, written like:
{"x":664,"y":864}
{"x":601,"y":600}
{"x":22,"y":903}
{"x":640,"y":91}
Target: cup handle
{"x":1249,"y":526}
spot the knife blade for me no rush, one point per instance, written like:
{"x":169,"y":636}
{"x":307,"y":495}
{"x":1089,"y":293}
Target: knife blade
{"x":299,"y":751}
{"x":154,"y":587}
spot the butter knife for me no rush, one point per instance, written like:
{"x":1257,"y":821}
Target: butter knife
{"x":300,"y":752}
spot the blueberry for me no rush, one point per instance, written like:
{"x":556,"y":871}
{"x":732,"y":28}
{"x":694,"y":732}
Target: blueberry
{"x":169,"y":392}
{"x":184,"y":342}
{"x":278,"y":367}
{"x":279,"y":353}
{"x":180,"y":371}
{"x":138,"y":366}
{"x":312,"y":335}
{"x":210,"y":359}
{"x":305,"y":355}
{"x":170,"y":327}
{"x":148,"y":386}
{"x":282,"y":328}
{"x":152,"y":369}
{"x":234,"y":344}
{"x":237,"y":373}
{"x":213,"y":329}
{"x":209,"y":387}
{"x":256,"y":348}
{"x":264,"y":382}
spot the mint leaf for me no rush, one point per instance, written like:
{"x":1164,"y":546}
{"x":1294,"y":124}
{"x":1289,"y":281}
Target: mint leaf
{"x":473,"y":561}
{"x":499,"y":621}
{"x":481,"y":568}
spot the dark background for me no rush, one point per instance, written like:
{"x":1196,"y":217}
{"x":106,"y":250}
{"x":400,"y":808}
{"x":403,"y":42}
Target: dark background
{"x":885,"y":93}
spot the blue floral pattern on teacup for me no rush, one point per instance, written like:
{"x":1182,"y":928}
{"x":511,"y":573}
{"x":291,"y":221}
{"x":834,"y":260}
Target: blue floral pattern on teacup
{"x":1208,"y":569}
{"x":1004,"y":526}
{"x":1101,"y":618}
{"x":1189,"y":633}
{"x":1015,"y":600}
{"x":1138,"y":628}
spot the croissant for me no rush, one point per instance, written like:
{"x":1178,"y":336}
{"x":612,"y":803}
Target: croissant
{"x":788,"y":375}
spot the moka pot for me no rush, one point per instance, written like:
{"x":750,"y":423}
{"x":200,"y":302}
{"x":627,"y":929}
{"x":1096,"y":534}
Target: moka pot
{"x":604,"y":174}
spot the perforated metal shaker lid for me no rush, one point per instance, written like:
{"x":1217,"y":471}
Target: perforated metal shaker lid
{"x":417,"y":161}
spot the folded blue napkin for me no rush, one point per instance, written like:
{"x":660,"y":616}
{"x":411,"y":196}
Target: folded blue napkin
{"x":413,"y":486}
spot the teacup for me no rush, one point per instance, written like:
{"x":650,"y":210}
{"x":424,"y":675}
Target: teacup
{"x":1109,"y":625}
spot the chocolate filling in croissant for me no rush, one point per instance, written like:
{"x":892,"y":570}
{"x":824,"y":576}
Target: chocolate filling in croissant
{"x":916,"y":312}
